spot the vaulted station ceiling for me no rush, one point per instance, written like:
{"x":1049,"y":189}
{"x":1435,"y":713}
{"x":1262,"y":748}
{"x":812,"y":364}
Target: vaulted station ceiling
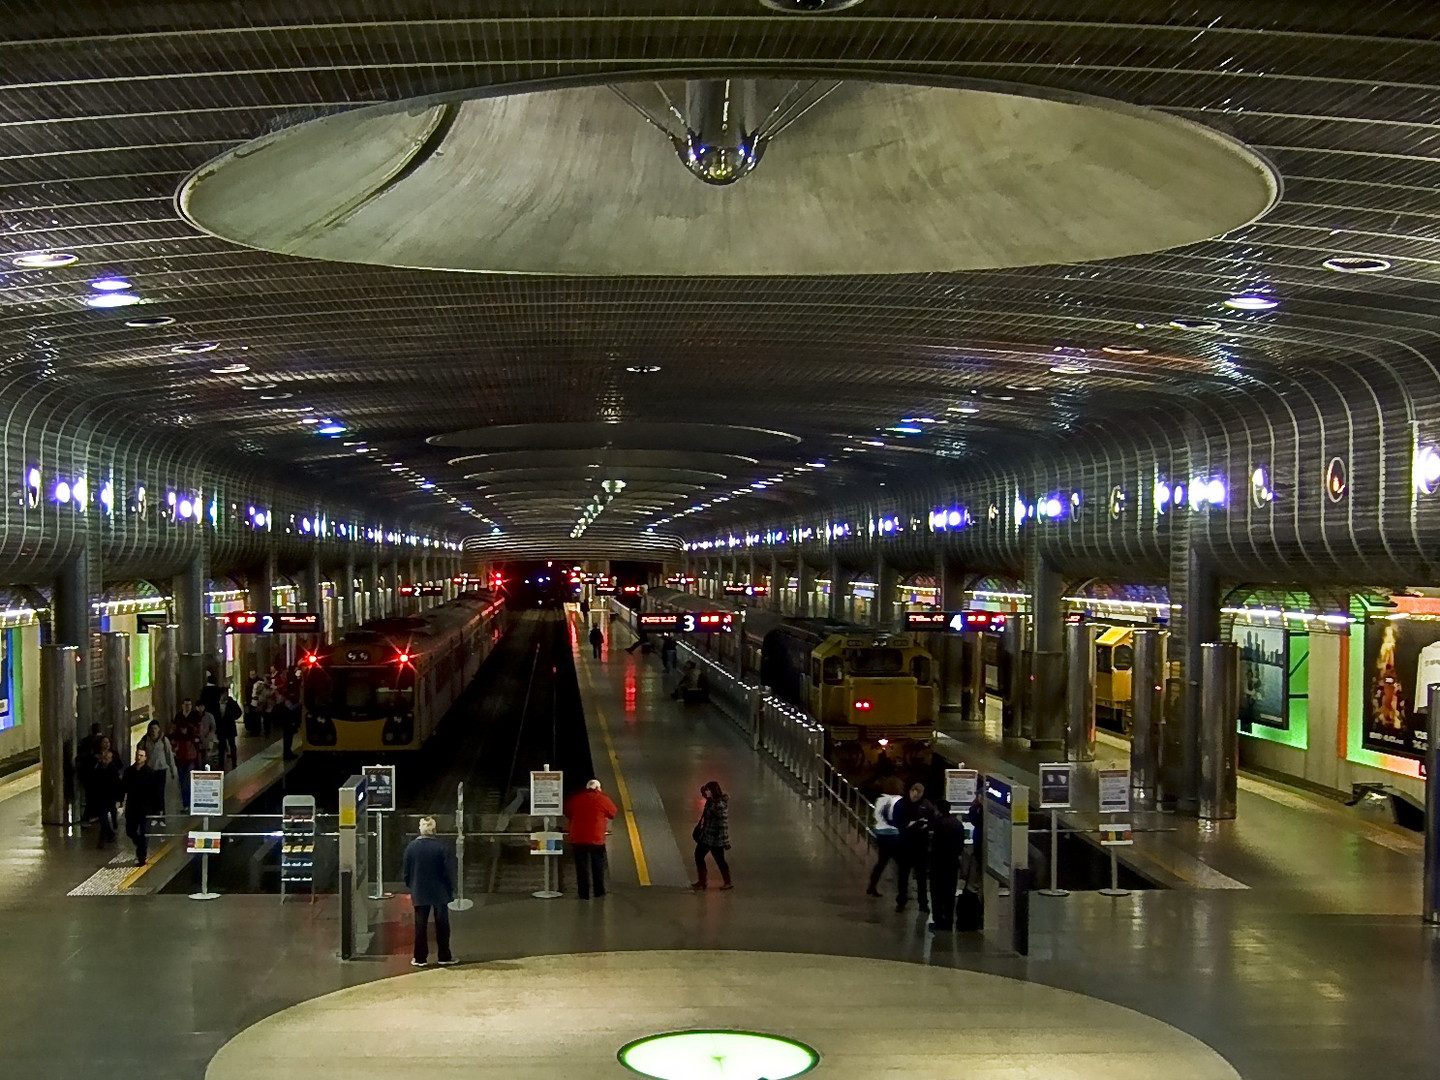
{"x":505,"y":401}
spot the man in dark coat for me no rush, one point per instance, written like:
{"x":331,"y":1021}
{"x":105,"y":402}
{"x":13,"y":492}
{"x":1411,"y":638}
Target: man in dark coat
{"x":227,"y":726}
{"x":911,"y":816}
{"x":432,"y":887}
{"x":947,"y":846}
{"x":597,"y":639}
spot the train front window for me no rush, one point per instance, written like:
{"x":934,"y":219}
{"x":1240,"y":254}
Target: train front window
{"x":834,"y":670}
{"x":920,"y":668}
{"x":875,"y":662}
{"x":359,"y":694}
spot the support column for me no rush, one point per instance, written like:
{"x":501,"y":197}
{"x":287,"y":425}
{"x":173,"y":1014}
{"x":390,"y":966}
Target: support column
{"x":165,"y":674}
{"x":259,"y":596}
{"x":351,"y":609}
{"x":840,"y":579}
{"x":1219,"y":738}
{"x":1047,"y":607}
{"x":1080,"y":692}
{"x":1148,"y":718}
{"x":777,"y":583}
{"x":115,"y":712}
{"x":58,"y":723}
{"x":952,"y":650}
{"x":804,"y":590}
{"x":370,"y":587}
{"x":75,"y":589}
{"x":886,"y":583}
{"x":312,"y":584}
{"x":1195,"y":620}
{"x":392,"y":601}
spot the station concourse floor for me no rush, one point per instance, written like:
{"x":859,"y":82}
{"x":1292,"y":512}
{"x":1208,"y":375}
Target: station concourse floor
{"x":1177,"y":983}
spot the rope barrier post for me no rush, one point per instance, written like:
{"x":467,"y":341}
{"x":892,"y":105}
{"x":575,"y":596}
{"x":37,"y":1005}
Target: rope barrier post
{"x":1114,"y":889}
{"x":460,"y":903}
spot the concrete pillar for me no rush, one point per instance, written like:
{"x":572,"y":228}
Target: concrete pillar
{"x":370,"y":585}
{"x":886,"y":580}
{"x":840,"y":579}
{"x":165,"y":674}
{"x":1219,"y":749}
{"x":259,"y":596}
{"x":1195,"y":620}
{"x":777,"y":584}
{"x":352,"y":608}
{"x":58,"y":734}
{"x":805,"y":590}
{"x":392,"y":599}
{"x":188,"y":588}
{"x":1047,"y":612}
{"x":115,"y":711}
{"x":1147,"y":697}
{"x":1080,"y":692}
{"x":75,"y":590}
{"x":951,"y":650}
{"x":312,"y":584}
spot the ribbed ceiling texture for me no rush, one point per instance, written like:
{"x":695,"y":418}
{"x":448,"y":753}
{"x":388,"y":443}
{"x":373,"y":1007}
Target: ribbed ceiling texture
{"x":106,"y":109}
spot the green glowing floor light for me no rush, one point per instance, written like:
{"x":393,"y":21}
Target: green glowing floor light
{"x":718,"y":1055}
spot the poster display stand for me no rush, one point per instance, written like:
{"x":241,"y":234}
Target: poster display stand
{"x":297,"y":844}
{"x":547,"y":788}
{"x":1114,"y":800}
{"x":1055,"y":796}
{"x":207,"y":799}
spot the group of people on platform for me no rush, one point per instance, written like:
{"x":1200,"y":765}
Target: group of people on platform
{"x":201,"y":735}
{"x":927,"y":841}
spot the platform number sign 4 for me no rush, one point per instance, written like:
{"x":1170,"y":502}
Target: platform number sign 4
{"x":957,"y":621}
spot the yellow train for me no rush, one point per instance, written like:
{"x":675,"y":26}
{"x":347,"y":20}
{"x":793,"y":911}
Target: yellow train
{"x":1114,"y":662}
{"x":386,"y":685}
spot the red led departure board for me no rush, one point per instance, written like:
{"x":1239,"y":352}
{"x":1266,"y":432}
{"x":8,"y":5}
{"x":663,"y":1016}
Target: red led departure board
{"x":955,"y":621}
{"x":272,"y":622}
{"x":689,"y":622}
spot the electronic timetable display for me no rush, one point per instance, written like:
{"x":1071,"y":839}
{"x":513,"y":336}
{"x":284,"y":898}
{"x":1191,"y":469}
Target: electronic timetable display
{"x":272,"y":622}
{"x":955,"y":621}
{"x":689,"y":622}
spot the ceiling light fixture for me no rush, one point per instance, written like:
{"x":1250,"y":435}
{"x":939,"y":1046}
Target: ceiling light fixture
{"x":1125,"y":350}
{"x":230,"y":369}
{"x":1071,"y":369}
{"x":330,"y":427}
{"x":44,"y":260}
{"x":1357,"y":264}
{"x":111,"y":300}
{"x":1195,"y":325}
{"x":189,"y":347}
{"x":147,"y":322}
{"x":965,"y":410}
{"x":1022,"y":389}
{"x":110,"y":284}
{"x":285,"y":396}
{"x":255,"y":388}
{"x":1251,"y":302}
{"x":643,"y":369}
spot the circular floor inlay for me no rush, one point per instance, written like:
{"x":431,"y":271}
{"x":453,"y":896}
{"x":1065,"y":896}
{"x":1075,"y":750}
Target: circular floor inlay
{"x":717,"y":1055}
{"x":565,"y":1016}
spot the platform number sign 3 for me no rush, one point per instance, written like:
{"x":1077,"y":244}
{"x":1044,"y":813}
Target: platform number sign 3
{"x":687,"y":623}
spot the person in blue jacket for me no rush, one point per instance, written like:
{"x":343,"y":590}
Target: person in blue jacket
{"x":432,"y":887}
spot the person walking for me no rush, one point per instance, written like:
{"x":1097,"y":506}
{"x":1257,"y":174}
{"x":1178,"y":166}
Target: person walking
{"x":432,"y":887}
{"x":184,"y":736}
{"x":208,"y":735}
{"x":912,"y":816}
{"x":228,"y":717}
{"x":585,"y":609}
{"x":104,"y":791}
{"x":288,"y":714}
{"x":597,"y":639}
{"x":947,"y":847}
{"x":590,"y":813}
{"x":162,"y":766}
{"x":712,"y":835}
{"x":887,"y":839}
{"x":137,"y":790}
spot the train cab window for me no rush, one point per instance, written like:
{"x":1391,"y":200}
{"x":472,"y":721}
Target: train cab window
{"x":834,"y":670}
{"x":920,"y":668}
{"x":1124,"y":658}
{"x":390,"y":698}
{"x":357,"y":693}
{"x":876,"y":661}
{"x":1103,"y":658}
{"x":814,"y":672}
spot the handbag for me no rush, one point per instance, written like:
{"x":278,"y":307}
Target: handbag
{"x":699,"y":830}
{"x":970,"y":904}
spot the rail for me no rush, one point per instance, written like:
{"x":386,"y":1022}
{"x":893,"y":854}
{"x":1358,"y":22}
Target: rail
{"x":792,"y":739}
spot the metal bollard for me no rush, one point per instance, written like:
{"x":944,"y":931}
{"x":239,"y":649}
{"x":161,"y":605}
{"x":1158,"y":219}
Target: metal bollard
{"x":460,"y":903}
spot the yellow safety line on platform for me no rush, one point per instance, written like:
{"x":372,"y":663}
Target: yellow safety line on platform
{"x":642,"y":869}
{"x":140,"y":871}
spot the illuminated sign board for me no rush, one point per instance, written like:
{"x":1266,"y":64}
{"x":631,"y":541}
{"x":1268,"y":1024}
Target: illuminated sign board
{"x":272,"y":622}
{"x":955,"y":621}
{"x":422,"y":590}
{"x":746,"y":590}
{"x":605,"y":590}
{"x":689,"y":622}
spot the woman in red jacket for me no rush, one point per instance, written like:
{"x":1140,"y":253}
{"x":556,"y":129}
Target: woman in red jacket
{"x":590,"y":812}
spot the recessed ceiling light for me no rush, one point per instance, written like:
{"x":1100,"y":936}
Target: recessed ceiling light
{"x":146,"y":322}
{"x":188,"y":347}
{"x":111,"y":299}
{"x":44,"y":260}
{"x":254,"y":388}
{"x":1070,"y":369}
{"x":309,"y":420}
{"x":1206,"y":325}
{"x":110,"y":284}
{"x":1019,"y":388}
{"x":230,"y":369}
{"x":277,"y":397}
{"x":330,"y":427}
{"x":1125,"y":350}
{"x":1357,"y":264}
{"x":965,"y":410}
{"x":1251,"y":302}
{"x":643,"y":369}
{"x":907,"y":429}
{"x":872,"y":442}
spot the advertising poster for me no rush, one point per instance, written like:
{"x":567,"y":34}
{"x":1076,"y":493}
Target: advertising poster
{"x":1264,"y":676}
{"x":1114,"y":790}
{"x":546,"y":793}
{"x":1055,"y":786}
{"x":8,"y":639}
{"x":960,"y":788}
{"x":379,"y":787}
{"x":1402,"y":656}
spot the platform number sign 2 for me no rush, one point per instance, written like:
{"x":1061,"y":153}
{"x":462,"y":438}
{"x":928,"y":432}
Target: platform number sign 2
{"x":267,"y":623}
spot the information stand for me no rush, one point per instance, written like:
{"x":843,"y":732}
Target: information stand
{"x":547,"y":789}
{"x":207,"y":800}
{"x":356,"y":910}
{"x":1006,"y":858}
{"x":297,"y":844}
{"x":379,"y":800}
{"x":1114,"y":800}
{"x":1055,"y":796}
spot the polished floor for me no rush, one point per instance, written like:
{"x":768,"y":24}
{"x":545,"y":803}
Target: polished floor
{"x":156,"y":985}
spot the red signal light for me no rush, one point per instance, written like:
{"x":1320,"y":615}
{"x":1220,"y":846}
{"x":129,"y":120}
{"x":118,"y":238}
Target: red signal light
{"x":402,"y":657}
{"x":863,"y":705}
{"x":311,"y":659}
